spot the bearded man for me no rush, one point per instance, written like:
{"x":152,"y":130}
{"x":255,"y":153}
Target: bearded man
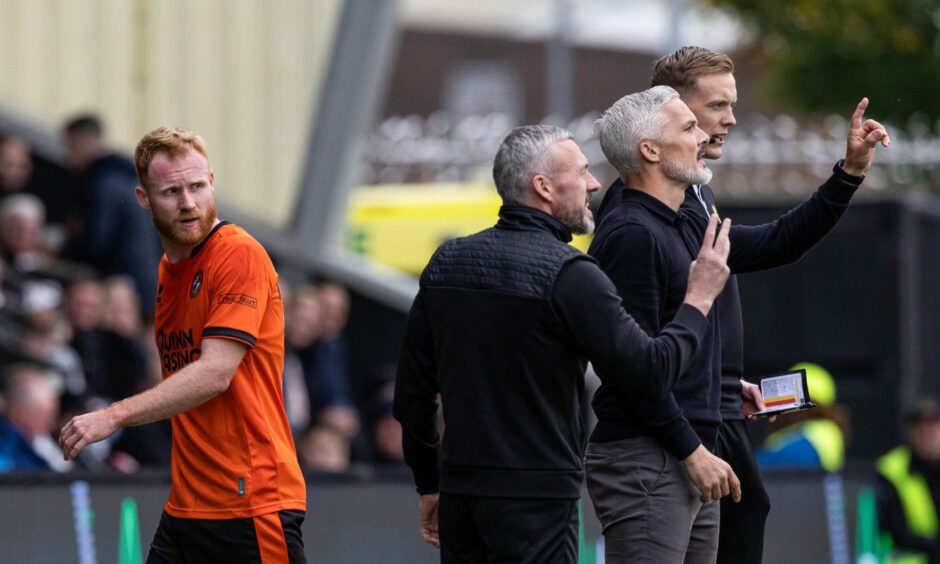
{"x":238,"y":494}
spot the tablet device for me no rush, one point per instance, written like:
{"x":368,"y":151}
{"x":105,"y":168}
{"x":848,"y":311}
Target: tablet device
{"x":784,"y":392}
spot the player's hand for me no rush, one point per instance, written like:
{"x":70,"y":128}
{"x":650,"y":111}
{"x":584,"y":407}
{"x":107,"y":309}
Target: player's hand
{"x":82,"y":430}
{"x":709,"y":271}
{"x":753,"y":401}
{"x":713,"y":477}
{"x":427,"y":511}
{"x":863,"y":137}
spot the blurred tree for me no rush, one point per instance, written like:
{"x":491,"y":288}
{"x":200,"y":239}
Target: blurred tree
{"x":822,"y":56}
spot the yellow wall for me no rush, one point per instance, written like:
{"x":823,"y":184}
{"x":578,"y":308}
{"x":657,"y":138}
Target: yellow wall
{"x":244,"y":73}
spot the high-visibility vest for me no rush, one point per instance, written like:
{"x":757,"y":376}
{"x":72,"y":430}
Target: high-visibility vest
{"x":919,"y":511}
{"x":824,"y":435}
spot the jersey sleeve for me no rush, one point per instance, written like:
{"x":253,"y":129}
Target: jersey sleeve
{"x":239,"y":285}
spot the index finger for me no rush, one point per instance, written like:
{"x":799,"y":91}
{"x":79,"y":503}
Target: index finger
{"x":859,"y":113}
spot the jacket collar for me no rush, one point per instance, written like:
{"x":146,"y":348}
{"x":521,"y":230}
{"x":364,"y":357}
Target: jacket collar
{"x":657,"y":208}
{"x":525,"y":218}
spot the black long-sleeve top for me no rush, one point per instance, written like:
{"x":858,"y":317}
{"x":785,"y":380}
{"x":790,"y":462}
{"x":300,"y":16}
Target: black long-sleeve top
{"x":761,"y":247}
{"x":641,"y":244}
{"x":502,"y":327}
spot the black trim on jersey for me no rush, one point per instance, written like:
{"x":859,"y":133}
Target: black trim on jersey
{"x":247,"y":338}
{"x":205,"y":240}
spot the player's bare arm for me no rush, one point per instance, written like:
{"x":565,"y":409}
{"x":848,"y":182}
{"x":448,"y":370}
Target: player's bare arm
{"x":193,"y":385}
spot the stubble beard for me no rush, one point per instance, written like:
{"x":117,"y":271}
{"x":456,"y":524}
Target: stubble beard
{"x":577,"y":219}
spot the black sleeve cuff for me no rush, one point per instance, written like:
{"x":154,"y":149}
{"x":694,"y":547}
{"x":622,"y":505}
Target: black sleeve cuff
{"x":846,"y":177}
{"x":692,"y":318}
{"x":683,"y":442}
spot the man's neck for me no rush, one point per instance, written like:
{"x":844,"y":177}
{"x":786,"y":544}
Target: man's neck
{"x":666,"y":190}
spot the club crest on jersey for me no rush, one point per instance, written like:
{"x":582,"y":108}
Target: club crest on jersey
{"x":196,"y":285}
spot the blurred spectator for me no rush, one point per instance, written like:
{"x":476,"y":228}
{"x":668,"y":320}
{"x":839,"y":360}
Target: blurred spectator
{"x":302,"y":328}
{"x":316,"y":355}
{"x":46,"y":335}
{"x":22,"y":219}
{"x":22,"y":172}
{"x":28,"y":420}
{"x":122,"y":307}
{"x":117,"y":236}
{"x":122,"y":316}
{"x":812,"y":438}
{"x":908,"y":487}
{"x":15,"y":165}
{"x":327,"y":365}
{"x":116,"y":366}
{"x":23,"y":244}
{"x":384,"y":430}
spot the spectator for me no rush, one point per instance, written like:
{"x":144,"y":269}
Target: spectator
{"x":122,"y":307}
{"x":23,"y":243}
{"x":15,"y":165}
{"x":302,"y":328}
{"x":22,"y":172}
{"x":327,"y":373}
{"x":908,"y":487}
{"x":22,"y":220}
{"x":45,"y":339}
{"x":27,"y":423}
{"x":316,"y":351}
{"x":116,"y":366}
{"x":385,"y":433}
{"x":117,"y":236}
{"x":122,"y":316}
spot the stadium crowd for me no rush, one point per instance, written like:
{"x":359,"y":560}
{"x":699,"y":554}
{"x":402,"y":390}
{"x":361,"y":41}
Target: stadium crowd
{"x":78,"y":262}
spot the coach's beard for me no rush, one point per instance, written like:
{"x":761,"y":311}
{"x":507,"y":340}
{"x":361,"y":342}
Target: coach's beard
{"x":184,"y":237}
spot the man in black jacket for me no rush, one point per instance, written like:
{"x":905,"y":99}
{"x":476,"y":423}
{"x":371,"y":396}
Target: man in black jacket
{"x":651,"y":507}
{"x":705,"y":82}
{"x":502,"y":327}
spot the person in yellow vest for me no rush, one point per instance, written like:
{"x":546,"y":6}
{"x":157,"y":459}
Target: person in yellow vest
{"x":907,"y":487}
{"x":813,"y":438}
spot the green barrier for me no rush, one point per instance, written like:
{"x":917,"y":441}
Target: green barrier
{"x":866,"y":528}
{"x":587,"y":552}
{"x":129,"y":540}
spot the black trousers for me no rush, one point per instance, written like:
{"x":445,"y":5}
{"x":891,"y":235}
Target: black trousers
{"x":741,"y":536}
{"x":274,"y":537}
{"x":504,"y":530}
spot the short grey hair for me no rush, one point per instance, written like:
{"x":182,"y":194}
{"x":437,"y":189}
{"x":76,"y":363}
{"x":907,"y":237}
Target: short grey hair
{"x":521,"y":156}
{"x":22,"y":205}
{"x":630,"y":121}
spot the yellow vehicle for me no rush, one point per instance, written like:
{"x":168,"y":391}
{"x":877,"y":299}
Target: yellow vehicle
{"x":401,"y":225}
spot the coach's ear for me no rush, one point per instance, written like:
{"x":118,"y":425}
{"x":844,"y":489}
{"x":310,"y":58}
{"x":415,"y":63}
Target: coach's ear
{"x":543,"y":189}
{"x":650,"y":150}
{"x":142,"y":197}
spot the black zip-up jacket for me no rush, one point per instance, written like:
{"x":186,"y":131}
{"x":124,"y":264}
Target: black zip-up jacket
{"x":691,"y":415}
{"x":502,"y":327}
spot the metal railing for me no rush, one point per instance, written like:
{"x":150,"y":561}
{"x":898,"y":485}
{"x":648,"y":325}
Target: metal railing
{"x":762,"y":156}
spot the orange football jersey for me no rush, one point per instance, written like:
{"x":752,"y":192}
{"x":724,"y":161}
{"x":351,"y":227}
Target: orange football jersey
{"x":233,"y":456}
